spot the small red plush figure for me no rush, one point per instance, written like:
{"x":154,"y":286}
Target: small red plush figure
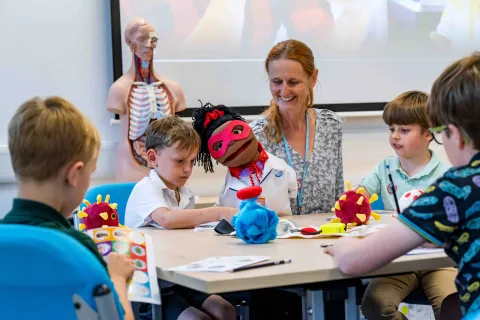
{"x":352,"y":207}
{"x":249,"y":193}
{"x":98,"y":215}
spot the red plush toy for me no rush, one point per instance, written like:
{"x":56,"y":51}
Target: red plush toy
{"x":99,"y":214}
{"x":352,"y":207}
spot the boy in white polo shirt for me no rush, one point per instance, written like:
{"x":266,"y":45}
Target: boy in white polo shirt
{"x":414,"y":167}
{"x":162,"y":200}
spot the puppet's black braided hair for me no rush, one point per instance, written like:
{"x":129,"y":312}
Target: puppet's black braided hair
{"x":205,"y":131}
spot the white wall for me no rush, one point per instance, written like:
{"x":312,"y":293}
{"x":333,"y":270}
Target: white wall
{"x":55,"y":47}
{"x":59,"y":47}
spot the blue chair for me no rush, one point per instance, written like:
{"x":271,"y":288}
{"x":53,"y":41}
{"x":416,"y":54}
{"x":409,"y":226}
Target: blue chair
{"x":378,"y":205}
{"x":119,"y":193}
{"x":46,"y":274}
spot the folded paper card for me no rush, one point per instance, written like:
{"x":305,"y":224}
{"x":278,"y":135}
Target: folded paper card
{"x":421,"y":250}
{"x":209,"y":226}
{"x":138,"y":246}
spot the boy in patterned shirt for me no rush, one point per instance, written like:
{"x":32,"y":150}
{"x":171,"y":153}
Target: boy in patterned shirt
{"x":448,"y":213}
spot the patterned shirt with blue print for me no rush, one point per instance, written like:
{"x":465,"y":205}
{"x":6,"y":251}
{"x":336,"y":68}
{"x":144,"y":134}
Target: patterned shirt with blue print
{"x":448,"y":214}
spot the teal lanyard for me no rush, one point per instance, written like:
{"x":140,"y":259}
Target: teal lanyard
{"x":305,"y":163}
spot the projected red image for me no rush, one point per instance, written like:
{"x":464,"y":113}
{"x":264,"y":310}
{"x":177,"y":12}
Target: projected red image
{"x":247,"y":29}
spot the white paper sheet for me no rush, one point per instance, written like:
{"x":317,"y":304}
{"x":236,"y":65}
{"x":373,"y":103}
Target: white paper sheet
{"x":209,"y":226}
{"x":219,"y":264}
{"x":424,"y":250}
{"x":358,"y":231}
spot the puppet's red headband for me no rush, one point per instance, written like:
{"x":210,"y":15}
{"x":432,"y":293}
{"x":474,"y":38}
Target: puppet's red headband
{"x":212,"y":115}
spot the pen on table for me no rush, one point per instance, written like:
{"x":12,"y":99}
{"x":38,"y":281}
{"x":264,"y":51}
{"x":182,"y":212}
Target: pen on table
{"x":393,"y":189}
{"x":268,"y":264}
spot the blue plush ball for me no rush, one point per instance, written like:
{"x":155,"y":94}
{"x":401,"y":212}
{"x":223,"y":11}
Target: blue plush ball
{"x":255,"y":223}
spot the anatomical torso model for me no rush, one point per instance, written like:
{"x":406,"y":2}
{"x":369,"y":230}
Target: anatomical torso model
{"x":140,"y":96}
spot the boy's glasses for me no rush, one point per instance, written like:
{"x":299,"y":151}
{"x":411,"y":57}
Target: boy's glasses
{"x":437,"y":133}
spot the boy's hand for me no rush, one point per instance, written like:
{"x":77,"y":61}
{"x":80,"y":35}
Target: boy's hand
{"x":120,"y":266}
{"x":340,"y":246}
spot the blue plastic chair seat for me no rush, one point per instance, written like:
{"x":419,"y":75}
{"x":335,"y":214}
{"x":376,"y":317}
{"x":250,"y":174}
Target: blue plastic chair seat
{"x":119,"y":194}
{"x":41,"y":269}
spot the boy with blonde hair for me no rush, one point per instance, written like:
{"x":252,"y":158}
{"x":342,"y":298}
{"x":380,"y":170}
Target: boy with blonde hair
{"x":54,"y":150}
{"x":415,"y":166}
{"x":448,"y":213}
{"x":162,"y":200}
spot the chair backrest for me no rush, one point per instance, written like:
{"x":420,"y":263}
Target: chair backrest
{"x":378,"y":205}
{"x":43,"y":270}
{"x":119,"y":193}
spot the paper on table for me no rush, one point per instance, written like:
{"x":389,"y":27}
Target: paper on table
{"x":219,"y":264}
{"x":385,"y":211}
{"x":424,"y":250}
{"x":206,"y":226}
{"x":358,"y":231}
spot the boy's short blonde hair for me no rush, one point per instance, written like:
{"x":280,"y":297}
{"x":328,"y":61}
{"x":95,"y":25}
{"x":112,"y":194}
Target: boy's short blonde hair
{"x":406,"y":109}
{"x":455,"y":98}
{"x":44,"y":135}
{"x":166,"y":132}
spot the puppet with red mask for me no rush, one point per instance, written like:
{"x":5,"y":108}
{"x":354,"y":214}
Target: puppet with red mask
{"x":227,"y":138}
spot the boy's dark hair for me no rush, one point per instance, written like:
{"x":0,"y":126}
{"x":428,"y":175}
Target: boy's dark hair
{"x":206,"y":119}
{"x":406,"y":109}
{"x":164,"y":133}
{"x":455,"y":98}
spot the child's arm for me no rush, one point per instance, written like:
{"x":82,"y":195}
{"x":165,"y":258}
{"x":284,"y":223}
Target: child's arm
{"x":121,"y":268}
{"x":188,"y":218}
{"x":365,"y":193}
{"x":372,"y":182}
{"x":359,"y":256}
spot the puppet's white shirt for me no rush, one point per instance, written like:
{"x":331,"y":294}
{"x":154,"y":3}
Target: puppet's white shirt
{"x":279,"y":185}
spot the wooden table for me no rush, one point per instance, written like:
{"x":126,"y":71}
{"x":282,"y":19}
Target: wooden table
{"x":309,"y":263}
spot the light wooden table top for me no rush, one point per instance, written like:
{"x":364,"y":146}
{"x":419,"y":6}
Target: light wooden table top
{"x":309,"y":263}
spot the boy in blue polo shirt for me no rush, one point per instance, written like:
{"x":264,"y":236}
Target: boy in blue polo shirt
{"x":415,"y":166}
{"x":448,"y":213}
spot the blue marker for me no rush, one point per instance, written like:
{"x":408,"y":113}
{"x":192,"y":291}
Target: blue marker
{"x":393,"y":189}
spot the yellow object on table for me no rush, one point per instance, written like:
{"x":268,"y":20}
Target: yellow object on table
{"x":333,"y":227}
